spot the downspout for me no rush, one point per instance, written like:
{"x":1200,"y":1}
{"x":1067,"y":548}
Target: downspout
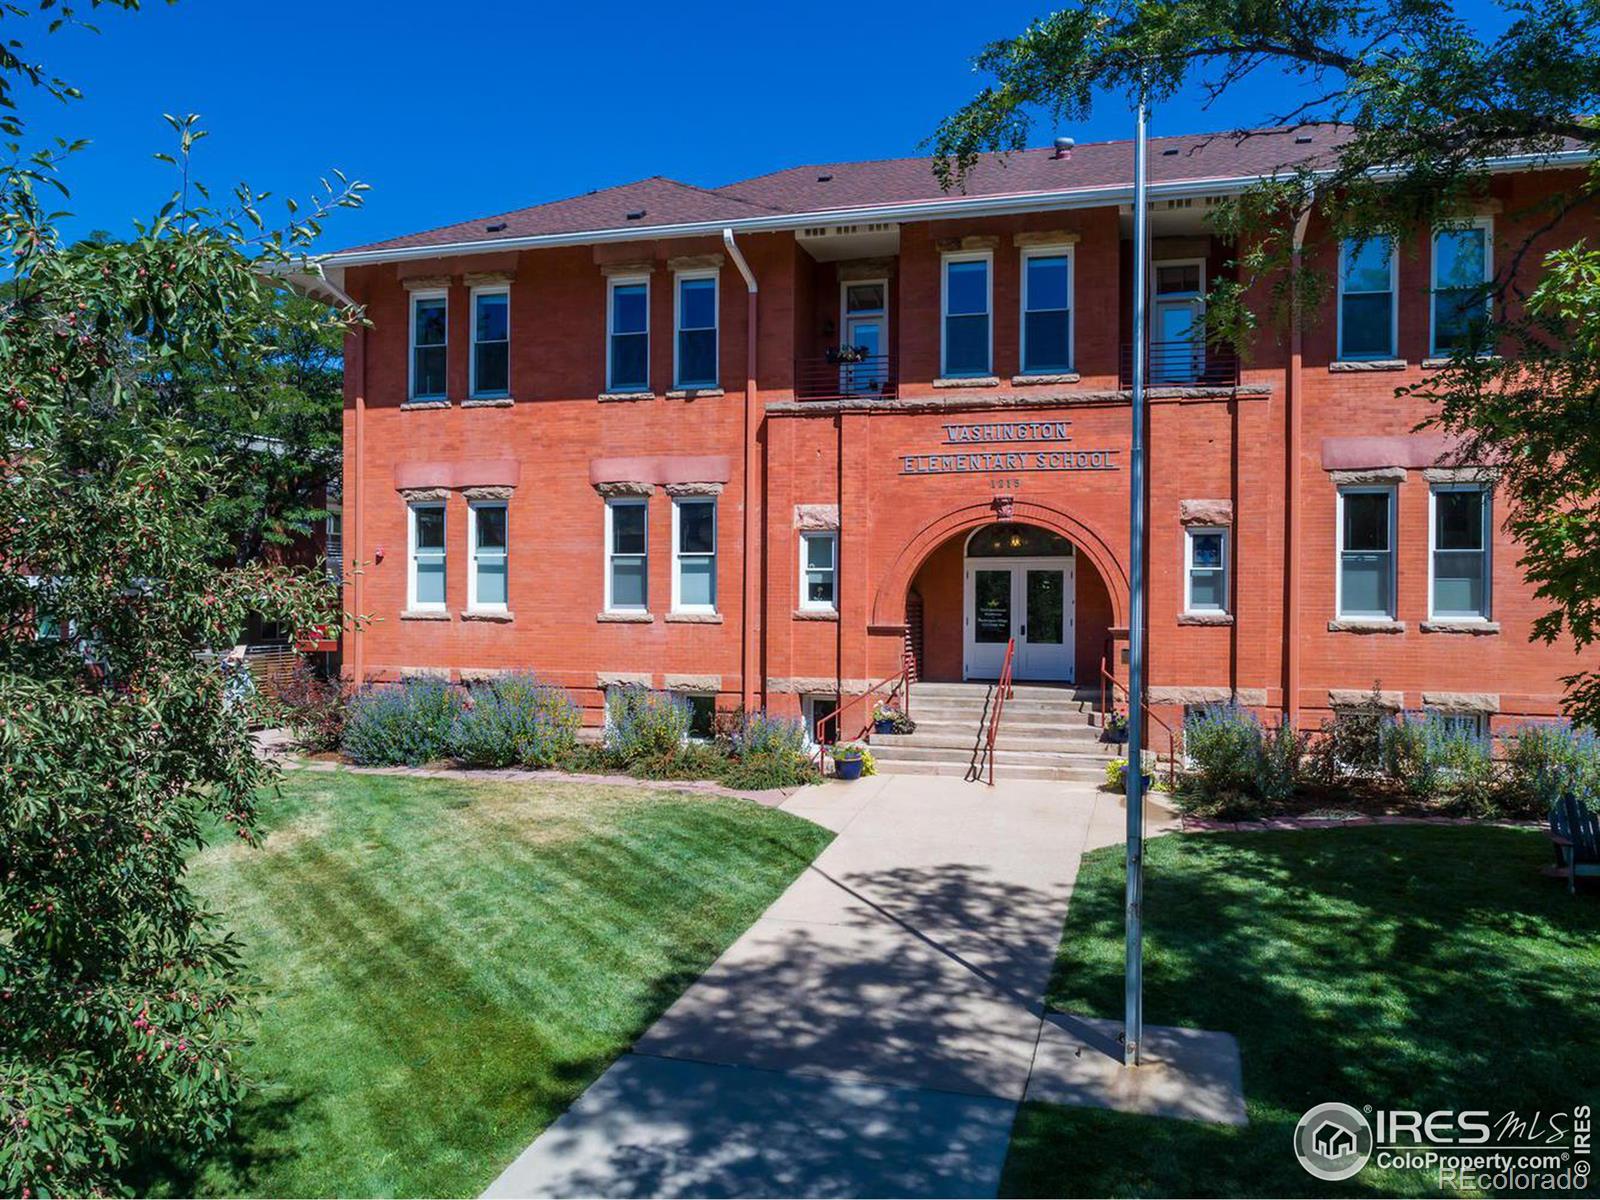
{"x":358,"y":496}
{"x":1294,"y":403}
{"x":748,"y":657}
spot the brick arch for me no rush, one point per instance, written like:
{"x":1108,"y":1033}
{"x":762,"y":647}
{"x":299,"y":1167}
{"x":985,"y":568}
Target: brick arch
{"x":889,"y":602}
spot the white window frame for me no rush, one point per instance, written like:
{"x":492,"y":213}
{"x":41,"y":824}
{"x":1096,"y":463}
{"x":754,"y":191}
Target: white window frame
{"x":612,"y":284}
{"x":806,"y":603}
{"x":1189,"y":533}
{"x":1484,"y":223}
{"x":612,"y":504}
{"x":412,"y":508}
{"x":1486,"y":499}
{"x":986,"y":257}
{"x":496,"y":289}
{"x":1393,"y":293}
{"x":678,"y":280}
{"x":813,"y":707}
{"x":418,"y":297}
{"x":1063,"y":250}
{"x":473,"y":552}
{"x":1394,"y":551}
{"x":677,"y":557}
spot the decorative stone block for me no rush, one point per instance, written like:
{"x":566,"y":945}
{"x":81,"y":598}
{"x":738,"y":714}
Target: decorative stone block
{"x":488,"y":278}
{"x":816,"y":516}
{"x":1205,"y":618}
{"x":696,"y":262}
{"x":1460,"y":474}
{"x":418,"y":405}
{"x":1470,"y":628}
{"x":1367,"y":364}
{"x":825,"y":685}
{"x":700,"y":488}
{"x":495,"y":616}
{"x":632,"y":266}
{"x":707,"y":393}
{"x":973,"y":241}
{"x":608,"y":679}
{"x":425,"y":283}
{"x":424,"y":614}
{"x":1369,"y":475}
{"x":624,"y":618}
{"x":1365,"y":625}
{"x":1205,"y":512}
{"x":489,"y":402}
{"x":1039,"y":380}
{"x":1359,"y":698}
{"x":1046,"y":237}
{"x":692,"y":683}
{"x":968,"y":381}
{"x":620,"y":397}
{"x":487,"y":493}
{"x":625,"y":487}
{"x":410,"y":494}
{"x":694,"y":618}
{"x":867,"y":268}
{"x":1462,"y":702}
{"x":816,"y":614}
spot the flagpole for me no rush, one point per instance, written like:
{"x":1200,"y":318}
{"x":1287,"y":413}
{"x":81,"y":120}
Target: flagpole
{"x":1133,"y":953}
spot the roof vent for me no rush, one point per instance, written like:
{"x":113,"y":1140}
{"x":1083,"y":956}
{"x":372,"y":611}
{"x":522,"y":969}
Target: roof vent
{"x":828,"y":178}
{"x":495,"y":228}
{"x":636,"y":214}
{"x":1302,"y":139}
{"x":1169,"y":153}
{"x":1064,"y":147}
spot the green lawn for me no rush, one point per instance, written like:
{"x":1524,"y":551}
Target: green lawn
{"x":1409,"y":967}
{"x":444,"y":966}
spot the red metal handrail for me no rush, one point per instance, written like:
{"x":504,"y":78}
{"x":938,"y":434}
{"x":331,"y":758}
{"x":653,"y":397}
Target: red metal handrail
{"x":902,"y":688}
{"x":1001,"y":692}
{"x":1172,"y":738}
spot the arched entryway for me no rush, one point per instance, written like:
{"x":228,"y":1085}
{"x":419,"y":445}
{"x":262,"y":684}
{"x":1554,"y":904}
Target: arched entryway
{"x":981,"y":587}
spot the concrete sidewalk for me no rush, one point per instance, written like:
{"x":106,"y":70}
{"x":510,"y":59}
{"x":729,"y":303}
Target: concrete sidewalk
{"x":873,"y":1032}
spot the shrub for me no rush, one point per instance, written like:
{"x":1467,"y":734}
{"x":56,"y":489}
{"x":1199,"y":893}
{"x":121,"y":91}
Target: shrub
{"x":1542,"y":761}
{"x":764,"y":735}
{"x":646,"y":725}
{"x":515,"y":720}
{"x":313,"y":708}
{"x":404,"y":725}
{"x":755,"y":772}
{"x":1278,"y":764}
{"x":1236,"y":767}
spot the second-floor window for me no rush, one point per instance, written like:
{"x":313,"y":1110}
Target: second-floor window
{"x":486,"y":586}
{"x":1206,"y":570}
{"x":819,"y":571}
{"x":694,"y":555}
{"x":491,"y":343}
{"x":426,"y":576}
{"x":697,"y":331}
{"x":1366,"y":553}
{"x":966,"y":315}
{"x":628,"y":336}
{"x":428,"y":337}
{"x":1366,"y":298}
{"x":1046,"y":311}
{"x":1459,"y":571}
{"x":1460,"y":273}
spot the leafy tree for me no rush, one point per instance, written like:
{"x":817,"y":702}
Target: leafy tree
{"x":1421,"y":101}
{"x":120,"y":750}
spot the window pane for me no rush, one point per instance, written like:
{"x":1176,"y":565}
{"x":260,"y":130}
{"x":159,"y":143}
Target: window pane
{"x":1366,"y":584}
{"x":1205,"y":589}
{"x":1177,"y":279}
{"x":1457,"y":314}
{"x":628,"y":308}
{"x":492,"y":581}
{"x":819,"y":552}
{"x":430,"y":529}
{"x":697,"y":526}
{"x":966,"y":288}
{"x":1458,"y":583}
{"x":1366,"y":265}
{"x":1047,"y":282}
{"x":864,"y":297}
{"x":991,"y":602}
{"x":1460,"y":518}
{"x":1045,"y":607}
{"x":702,"y":712}
{"x":1047,"y":342}
{"x":492,"y":311}
{"x":1366,"y":521}
{"x":491,"y":527}
{"x":430,"y":581}
{"x":1206,"y":549}
{"x":627,"y":583}
{"x":697,"y":356}
{"x":697,"y":584}
{"x":491,"y":367}
{"x":629,"y":365}
{"x":697,"y":304}
{"x":1458,"y":258}
{"x":1366,"y":326}
{"x":966,"y":345}
{"x":430,"y":328}
{"x":627,"y":528}
{"x":429,"y":373}
{"x":819,"y":587}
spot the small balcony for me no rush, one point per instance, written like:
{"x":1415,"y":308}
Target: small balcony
{"x":868,"y":378}
{"x":1184,"y":364}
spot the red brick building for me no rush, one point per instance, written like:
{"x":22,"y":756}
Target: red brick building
{"x":752,"y":442}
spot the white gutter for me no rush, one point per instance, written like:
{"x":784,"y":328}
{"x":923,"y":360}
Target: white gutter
{"x":924,"y":210}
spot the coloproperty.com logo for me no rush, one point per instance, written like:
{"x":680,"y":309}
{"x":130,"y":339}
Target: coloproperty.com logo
{"x":1464,"y":1150}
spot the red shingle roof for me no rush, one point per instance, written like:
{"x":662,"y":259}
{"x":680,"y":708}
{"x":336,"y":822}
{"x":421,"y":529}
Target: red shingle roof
{"x":659,"y":201}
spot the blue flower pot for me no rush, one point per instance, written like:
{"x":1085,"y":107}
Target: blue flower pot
{"x":848,"y":768}
{"x":885,"y":726}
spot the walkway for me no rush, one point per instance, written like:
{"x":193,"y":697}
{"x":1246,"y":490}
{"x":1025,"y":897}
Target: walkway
{"x":872,"y":1033}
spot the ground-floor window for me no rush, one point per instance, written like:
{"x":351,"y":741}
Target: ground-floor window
{"x":1205,"y":570}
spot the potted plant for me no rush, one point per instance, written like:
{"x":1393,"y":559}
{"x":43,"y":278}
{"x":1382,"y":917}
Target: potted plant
{"x":851,"y":760}
{"x":1117,"y":776}
{"x":849,"y":354}
{"x":1116,"y":729}
{"x":886,"y":718}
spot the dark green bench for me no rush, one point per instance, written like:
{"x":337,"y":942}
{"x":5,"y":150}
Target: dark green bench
{"x":1575,"y":830}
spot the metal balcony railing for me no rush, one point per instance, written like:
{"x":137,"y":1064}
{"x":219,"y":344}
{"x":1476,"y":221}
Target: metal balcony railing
{"x":870,"y":378}
{"x":1184,"y":364}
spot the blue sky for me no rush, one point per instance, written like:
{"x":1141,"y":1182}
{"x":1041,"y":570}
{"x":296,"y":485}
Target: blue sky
{"x":456,"y":110}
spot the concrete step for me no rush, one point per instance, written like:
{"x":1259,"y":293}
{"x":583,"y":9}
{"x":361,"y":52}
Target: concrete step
{"x":1048,"y":758}
{"x":1032,"y":690}
{"x":948,"y":707}
{"x":1001,"y":772}
{"x":965,"y":737}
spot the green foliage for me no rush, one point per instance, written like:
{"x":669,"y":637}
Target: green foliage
{"x":313,"y":708}
{"x":406,"y":724}
{"x":644,"y":725}
{"x":1428,"y":760}
{"x":1237,"y":768}
{"x":769,"y":769}
{"x":119,"y":1002}
{"x":1542,"y":761}
{"x":762,"y":735}
{"x":515,"y":720}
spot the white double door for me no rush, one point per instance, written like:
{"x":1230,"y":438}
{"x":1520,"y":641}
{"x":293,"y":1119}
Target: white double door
{"x":1029,"y":599}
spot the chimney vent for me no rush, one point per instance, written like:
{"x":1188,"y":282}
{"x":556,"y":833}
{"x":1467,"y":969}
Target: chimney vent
{"x":1064,"y":147}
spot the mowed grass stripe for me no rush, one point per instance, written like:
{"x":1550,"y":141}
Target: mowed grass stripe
{"x":444,"y":966}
